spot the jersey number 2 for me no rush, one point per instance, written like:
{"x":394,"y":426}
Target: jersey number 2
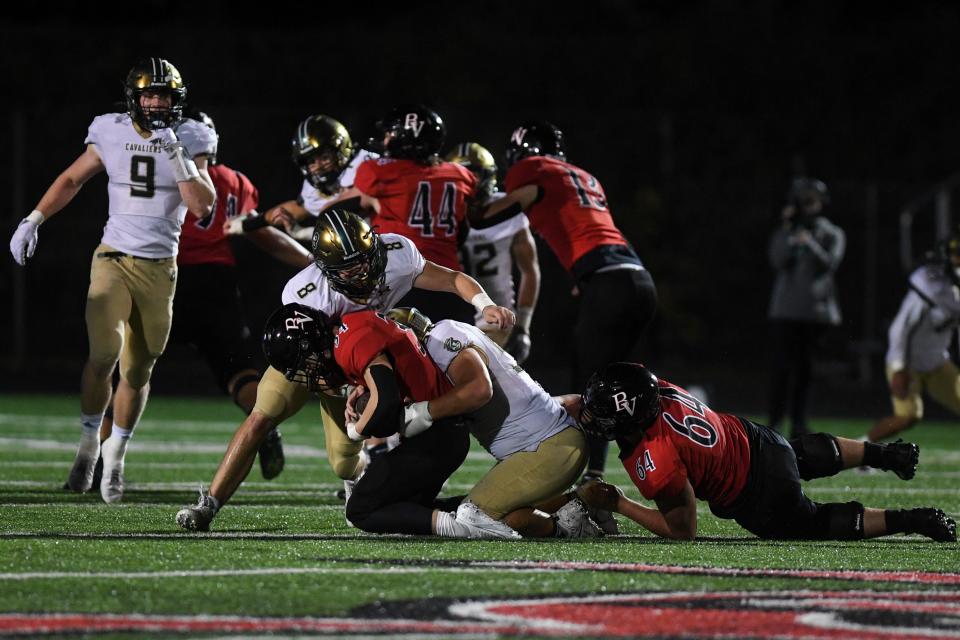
{"x":142,"y":172}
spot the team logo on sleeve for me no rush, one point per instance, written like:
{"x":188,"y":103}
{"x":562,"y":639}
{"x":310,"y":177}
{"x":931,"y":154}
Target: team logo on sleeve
{"x":622,"y":404}
{"x":452,"y":344}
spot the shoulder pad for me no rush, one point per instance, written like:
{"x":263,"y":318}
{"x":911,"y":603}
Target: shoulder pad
{"x":197,"y":138}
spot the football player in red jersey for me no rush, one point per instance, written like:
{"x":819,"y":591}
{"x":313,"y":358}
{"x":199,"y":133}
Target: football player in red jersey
{"x":677,"y":450}
{"x":411,"y":192}
{"x":397,"y":492}
{"x":207,"y":311}
{"x":568,"y":208}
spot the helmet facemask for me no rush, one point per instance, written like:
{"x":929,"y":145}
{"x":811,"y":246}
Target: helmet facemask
{"x":298,"y":342}
{"x":325,"y":139}
{"x":350,"y":254}
{"x":155,"y":76}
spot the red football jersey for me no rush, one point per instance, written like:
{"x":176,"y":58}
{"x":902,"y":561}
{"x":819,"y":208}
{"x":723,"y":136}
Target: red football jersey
{"x":424,"y":203}
{"x":690,"y":441}
{"x":364,"y":334}
{"x":572,"y":215}
{"x":202,"y":241}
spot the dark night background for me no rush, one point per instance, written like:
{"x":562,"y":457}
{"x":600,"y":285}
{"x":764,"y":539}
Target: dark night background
{"x":693,"y":117}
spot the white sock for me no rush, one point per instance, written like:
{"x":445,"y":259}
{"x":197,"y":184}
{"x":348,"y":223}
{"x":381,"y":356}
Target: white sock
{"x":120,"y":432}
{"x":448,"y":527}
{"x":89,"y":435}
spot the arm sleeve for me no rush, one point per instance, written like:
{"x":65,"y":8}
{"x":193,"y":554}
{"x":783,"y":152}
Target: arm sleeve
{"x":387,"y":418}
{"x":830,"y":253}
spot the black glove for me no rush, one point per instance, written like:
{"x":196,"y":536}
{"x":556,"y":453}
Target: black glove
{"x":519,"y":344}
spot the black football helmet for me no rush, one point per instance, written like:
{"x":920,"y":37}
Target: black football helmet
{"x":417,"y":133}
{"x":619,"y":400}
{"x":350,"y":254}
{"x":535,"y":139}
{"x":480,"y":162}
{"x":298,"y":342}
{"x":318,"y":135}
{"x":155,"y":75}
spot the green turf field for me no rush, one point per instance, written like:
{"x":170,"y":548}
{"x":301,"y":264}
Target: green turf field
{"x":282,"y":560}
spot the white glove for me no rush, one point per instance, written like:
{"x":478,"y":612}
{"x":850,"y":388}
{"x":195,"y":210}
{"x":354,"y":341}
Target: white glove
{"x":165,"y":137}
{"x":416,"y":419}
{"x":352,"y":432}
{"x":24,"y":240}
{"x":184,"y":168}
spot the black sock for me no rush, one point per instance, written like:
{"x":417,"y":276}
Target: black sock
{"x":898,"y":520}
{"x":873,"y":455}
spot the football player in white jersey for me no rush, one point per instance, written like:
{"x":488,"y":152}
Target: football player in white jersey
{"x":355,"y":268}
{"x":328,"y":159}
{"x":156,"y":163}
{"x":539,"y":450}
{"x":918,"y":357}
{"x":494,"y":248}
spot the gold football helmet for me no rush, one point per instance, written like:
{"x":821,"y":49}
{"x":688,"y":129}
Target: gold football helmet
{"x":478,"y":160}
{"x":413,"y":319}
{"x":350,"y":254}
{"x":155,"y":75}
{"x":316,"y":136}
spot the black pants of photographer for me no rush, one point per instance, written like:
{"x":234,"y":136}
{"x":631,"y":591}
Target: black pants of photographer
{"x":793,"y":345}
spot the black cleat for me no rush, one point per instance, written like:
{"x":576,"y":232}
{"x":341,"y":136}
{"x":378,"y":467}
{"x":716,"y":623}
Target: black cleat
{"x":97,"y":476}
{"x":271,"y":455}
{"x":901,"y":458}
{"x":934,"y":524}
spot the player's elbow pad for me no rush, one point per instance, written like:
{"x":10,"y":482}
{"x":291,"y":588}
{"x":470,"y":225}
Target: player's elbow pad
{"x":387,"y":418}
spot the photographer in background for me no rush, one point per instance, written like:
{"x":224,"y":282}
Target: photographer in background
{"x":805,"y":250}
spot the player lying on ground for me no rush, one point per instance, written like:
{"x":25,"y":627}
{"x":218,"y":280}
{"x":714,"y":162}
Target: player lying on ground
{"x":398,"y":492}
{"x":677,"y":450}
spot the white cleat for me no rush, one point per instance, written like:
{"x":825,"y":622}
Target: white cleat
{"x":573,"y":521}
{"x":481,"y":525}
{"x":81,"y":474}
{"x":111,"y":485}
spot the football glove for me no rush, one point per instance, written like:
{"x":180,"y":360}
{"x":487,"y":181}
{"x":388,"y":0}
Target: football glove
{"x":24,"y":240}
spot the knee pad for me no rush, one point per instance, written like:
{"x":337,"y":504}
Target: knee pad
{"x":240,"y":383}
{"x":818,"y":455}
{"x":839,"y":521}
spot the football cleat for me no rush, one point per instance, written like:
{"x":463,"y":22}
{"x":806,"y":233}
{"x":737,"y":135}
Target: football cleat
{"x":271,"y":455}
{"x":934,"y":524}
{"x":97,"y":476}
{"x":111,"y":484}
{"x":573,"y":521}
{"x":481,"y":525}
{"x":901,"y":458}
{"x":81,"y":474}
{"x":199,"y":516}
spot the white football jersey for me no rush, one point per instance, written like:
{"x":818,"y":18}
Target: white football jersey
{"x":146,"y":209}
{"x":921,"y":332}
{"x":404,"y":264}
{"x":486,"y":256}
{"x":521,"y":413}
{"x":316,"y":201}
